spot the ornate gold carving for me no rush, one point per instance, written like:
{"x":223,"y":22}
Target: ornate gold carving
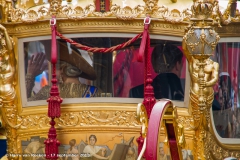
{"x":225,"y":17}
{"x":82,"y":118}
{"x":7,"y":88}
{"x":6,"y":6}
{"x":29,"y":16}
{"x":78,"y":12}
{"x":175,"y":16}
{"x":117,"y":118}
{"x":93,"y":25}
{"x":41,"y":12}
{"x":34,"y":121}
{"x":142,"y":118}
{"x":198,"y":45}
{"x":201,"y":95}
{"x":202,"y":9}
{"x":181,"y":136}
{"x":219,"y":17}
{"x":150,"y":6}
{"x":186,"y":122}
{"x":127,"y":13}
{"x":215,"y":151}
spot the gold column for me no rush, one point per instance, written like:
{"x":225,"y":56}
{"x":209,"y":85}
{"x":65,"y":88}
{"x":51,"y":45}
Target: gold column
{"x":198,"y":44}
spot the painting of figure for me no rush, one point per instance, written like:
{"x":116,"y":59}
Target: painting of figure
{"x":164,"y":153}
{"x":34,"y":147}
{"x":89,"y":146}
{"x":93,"y":151}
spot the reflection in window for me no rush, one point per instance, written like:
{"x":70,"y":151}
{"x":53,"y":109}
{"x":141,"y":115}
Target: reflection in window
{"x":168,"y":72}
{"x":75,"y":72}
{"x":226,"y":112}
{"x":85,"y":74}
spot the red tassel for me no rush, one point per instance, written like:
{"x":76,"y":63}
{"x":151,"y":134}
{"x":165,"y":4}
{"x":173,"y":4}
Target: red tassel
{"x":54,"y":106}
{"x":51,"y":144}
{"x":54,"y":101}
{"x":51,"y":148}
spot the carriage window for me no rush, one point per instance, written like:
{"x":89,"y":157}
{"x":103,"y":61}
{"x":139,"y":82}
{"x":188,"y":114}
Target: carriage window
{"x":226,"y":113}
{"x":83,"y":74}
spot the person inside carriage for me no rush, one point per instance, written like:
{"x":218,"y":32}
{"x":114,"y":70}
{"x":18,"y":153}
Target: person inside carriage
{"x":71,"y":67}
{"x":167,"y":62}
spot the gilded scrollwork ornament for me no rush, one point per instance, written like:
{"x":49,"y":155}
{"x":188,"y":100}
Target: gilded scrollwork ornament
{"x":175,"y":16}
{"x":127,"y":13}
{"x":172,"y":16}
{"x":82,"y":118}
{"x":78,"y":12}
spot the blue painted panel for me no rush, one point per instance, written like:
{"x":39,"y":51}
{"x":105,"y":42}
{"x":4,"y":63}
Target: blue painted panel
{"x":3,"y":147}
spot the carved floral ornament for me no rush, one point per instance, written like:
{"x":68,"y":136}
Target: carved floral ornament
{"x":77,"y":12}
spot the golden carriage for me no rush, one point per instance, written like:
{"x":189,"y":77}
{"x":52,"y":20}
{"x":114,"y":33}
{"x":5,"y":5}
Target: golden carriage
{"x":113,"y":37}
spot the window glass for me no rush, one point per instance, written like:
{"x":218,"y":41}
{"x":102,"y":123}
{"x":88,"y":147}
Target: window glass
{"x":226,"y":112}
{"x":83,"y":74}
{"x":168,"y":71}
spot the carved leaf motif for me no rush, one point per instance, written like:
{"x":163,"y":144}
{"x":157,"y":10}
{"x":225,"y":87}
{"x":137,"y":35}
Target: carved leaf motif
{"x":127,"y":13}
{"x":68,"y":119}
{"x":67,"y":10}
{"x":17,"y":15}
{"x":20,"y":15}
{"x":78,"y":12}
{"x":43,"y":11}
{"x":34,"y":121}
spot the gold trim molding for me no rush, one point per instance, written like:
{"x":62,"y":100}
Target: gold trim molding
{"x":110,"y":25}
{"x":41,"y":12}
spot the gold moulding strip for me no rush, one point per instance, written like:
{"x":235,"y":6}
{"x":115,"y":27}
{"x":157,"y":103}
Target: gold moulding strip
{"x":2,"y":137}
{"x":168,"y":116}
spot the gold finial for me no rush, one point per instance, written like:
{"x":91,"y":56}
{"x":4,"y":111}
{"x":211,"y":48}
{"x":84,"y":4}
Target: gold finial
{"x":202,"y":9}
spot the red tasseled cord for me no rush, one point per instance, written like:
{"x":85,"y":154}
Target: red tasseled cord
{"x":144,"y":53}
{"x":54,"y":101}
